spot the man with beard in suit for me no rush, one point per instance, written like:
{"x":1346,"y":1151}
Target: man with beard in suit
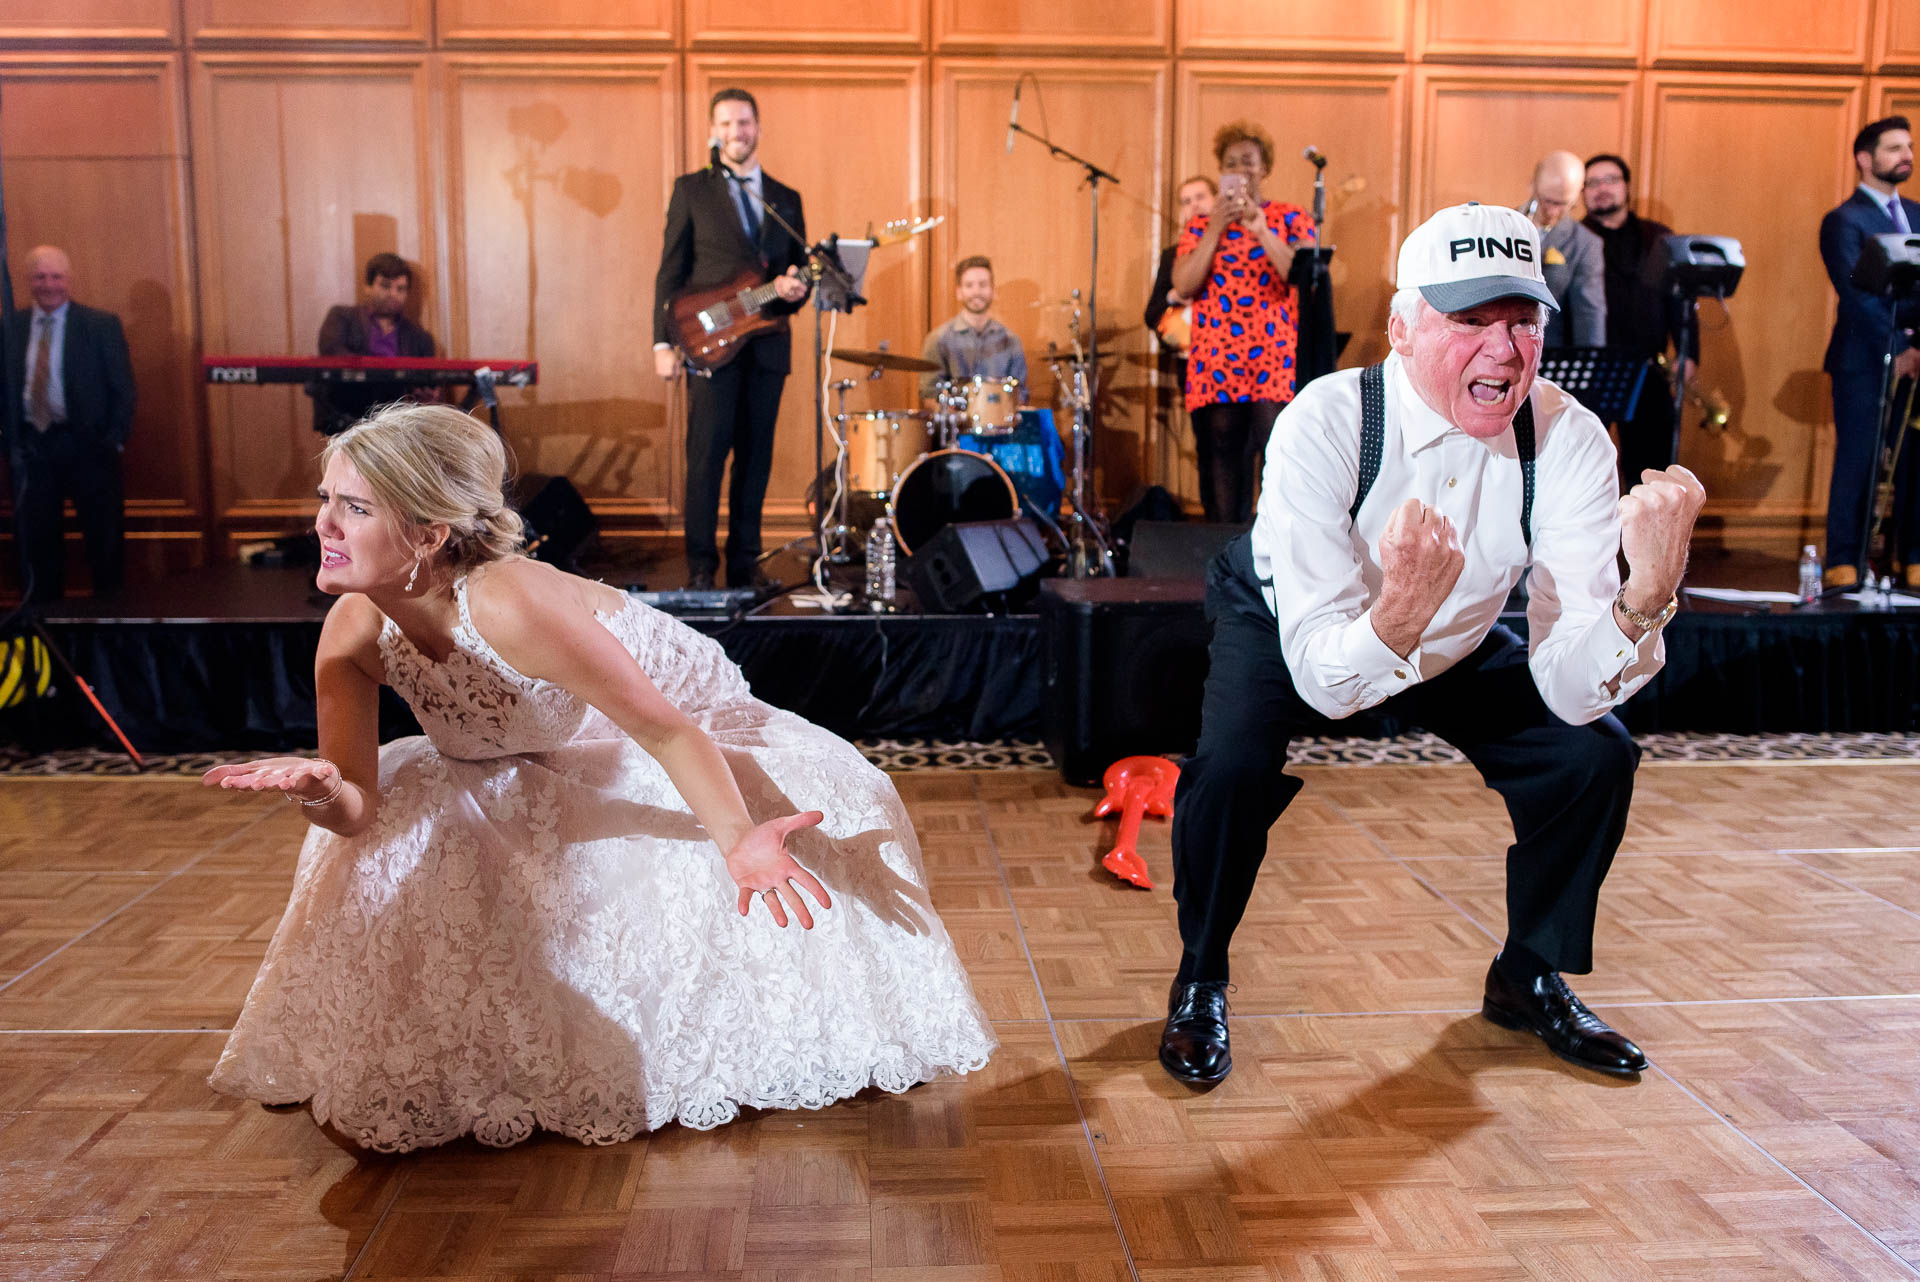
{"x":718,"y":226}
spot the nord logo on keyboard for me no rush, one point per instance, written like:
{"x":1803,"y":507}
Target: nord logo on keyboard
{"x":233,"y":374}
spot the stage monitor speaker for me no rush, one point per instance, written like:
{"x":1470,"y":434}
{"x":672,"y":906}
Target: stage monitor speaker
{"x":559,"y":522}
{"x":1177,"y":549}
{"x":964,"y":565}
{"x":1126,"y":663}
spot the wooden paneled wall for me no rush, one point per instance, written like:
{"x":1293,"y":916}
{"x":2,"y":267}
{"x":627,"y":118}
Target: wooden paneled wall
{"x":219,"y":169}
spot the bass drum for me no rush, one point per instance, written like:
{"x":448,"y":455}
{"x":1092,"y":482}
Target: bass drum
{"x":947,"y":487}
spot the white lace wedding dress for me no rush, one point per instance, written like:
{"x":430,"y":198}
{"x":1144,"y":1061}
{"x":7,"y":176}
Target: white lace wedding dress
{"x":536,"y":931}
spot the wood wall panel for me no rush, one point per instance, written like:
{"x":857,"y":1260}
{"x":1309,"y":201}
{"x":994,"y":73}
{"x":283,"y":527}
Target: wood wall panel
{"x":1507,"y":29}
{"x":1787,"y":31}
{"x":1896,"y":34}
{"x":96,"y":163}
{"x":1478,"y":134}
{"x":307,"y":20}
{"x":1032,"y":215}
{"x":292,"y":202}
{"x":1065,"y":26}
{"x":81,"y":20}
{"x":845,"y":24}
{"x":560,"y":170}
{"x":539,"y":22}
{"x":1773,"y":461}
{"x":846,"y":133}
{"x":1895,"y":98}
{"x":1294,"y":26}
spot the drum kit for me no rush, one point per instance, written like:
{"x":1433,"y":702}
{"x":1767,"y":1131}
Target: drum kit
{"x":967,"y":458}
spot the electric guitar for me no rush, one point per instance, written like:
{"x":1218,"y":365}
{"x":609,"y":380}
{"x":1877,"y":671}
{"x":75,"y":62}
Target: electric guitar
{"x":709,"y":326}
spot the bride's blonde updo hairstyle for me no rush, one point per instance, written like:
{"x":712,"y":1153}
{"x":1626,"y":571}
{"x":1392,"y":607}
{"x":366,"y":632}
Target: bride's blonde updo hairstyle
{"x":428,"y":463}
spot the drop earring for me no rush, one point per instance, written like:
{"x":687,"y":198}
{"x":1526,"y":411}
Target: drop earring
{"x":415,"y":575}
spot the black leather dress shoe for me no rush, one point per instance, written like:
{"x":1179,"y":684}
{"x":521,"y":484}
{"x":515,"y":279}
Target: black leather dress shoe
{"x":1193,"y":1046}
{"x":700,"y":581}
{"x":1548,"y":1009}
{"x":751,"y":579}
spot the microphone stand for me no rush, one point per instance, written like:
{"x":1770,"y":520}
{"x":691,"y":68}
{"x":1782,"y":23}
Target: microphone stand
{"x":1084,"y":451}
{"x":825,"y":257}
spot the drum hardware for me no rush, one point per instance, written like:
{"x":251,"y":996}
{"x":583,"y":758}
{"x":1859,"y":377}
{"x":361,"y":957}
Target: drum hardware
{"x":1089,"y":553}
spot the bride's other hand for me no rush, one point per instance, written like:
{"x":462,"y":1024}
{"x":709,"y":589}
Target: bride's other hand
{"x":760,"y":865}
{"x":304,"y":778}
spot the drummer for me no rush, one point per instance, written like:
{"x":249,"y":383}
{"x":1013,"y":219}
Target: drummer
{"x":973,"y":344}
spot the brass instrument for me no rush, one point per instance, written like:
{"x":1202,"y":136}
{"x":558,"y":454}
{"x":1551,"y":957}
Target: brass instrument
{"x":1713,"y":406}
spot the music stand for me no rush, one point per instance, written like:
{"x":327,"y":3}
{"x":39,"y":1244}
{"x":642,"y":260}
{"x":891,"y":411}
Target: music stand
{"x":837,"y":290}
{"x":1606,"y":380}
{"x":1313,"y":284}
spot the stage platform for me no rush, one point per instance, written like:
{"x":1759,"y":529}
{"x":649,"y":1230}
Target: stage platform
{"x":221,"y":659}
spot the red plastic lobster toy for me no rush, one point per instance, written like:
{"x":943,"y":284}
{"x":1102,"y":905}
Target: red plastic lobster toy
{"x":1136,"y":786}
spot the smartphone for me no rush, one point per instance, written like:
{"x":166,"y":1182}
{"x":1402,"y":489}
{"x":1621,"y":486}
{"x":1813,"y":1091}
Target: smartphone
{"x":1233,"y":184}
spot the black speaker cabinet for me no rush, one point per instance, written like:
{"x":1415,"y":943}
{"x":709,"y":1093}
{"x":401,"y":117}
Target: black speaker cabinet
{"x":559,"y":522}
{"x":1177,"y":549}
{"x":1126,"y":660}
{"x":963,"y":565}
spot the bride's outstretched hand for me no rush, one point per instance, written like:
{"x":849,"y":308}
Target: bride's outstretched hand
{"x":305,"y":778}
{"x":760,"y":865}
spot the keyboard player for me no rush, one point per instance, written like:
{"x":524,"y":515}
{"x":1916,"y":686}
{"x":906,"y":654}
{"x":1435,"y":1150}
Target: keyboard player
{"x":376,"y":326}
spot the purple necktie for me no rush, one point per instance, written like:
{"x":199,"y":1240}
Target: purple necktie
{"x":1899,"y":215}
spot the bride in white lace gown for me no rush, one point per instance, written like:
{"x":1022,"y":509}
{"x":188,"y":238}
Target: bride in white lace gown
{"x":525,"y":919}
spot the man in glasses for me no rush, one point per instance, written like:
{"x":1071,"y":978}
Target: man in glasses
{"x":1400,"y":504}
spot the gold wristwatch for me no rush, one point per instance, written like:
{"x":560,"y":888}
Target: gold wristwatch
{"x":1648,"y":622}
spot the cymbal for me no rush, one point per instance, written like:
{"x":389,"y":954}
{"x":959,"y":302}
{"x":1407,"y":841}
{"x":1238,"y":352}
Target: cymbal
{"x":883,"y":360}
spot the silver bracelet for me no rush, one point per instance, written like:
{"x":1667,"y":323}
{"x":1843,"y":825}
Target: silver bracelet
{"x":339,"y":786}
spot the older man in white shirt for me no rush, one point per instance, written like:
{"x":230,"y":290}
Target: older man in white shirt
{"x":1399,"y":506}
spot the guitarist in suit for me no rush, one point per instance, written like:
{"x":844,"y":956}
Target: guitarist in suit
{"x":716,"y":228}
{"x":70,"y":368}
{"x":1883,"y":155}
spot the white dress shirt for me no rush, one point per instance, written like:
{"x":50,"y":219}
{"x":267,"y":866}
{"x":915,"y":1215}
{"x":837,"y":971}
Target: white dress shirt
{"x":1321,"y":574}
{"x":56,"y":365}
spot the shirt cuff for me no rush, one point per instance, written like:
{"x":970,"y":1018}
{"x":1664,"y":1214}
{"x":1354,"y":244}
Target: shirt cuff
{"x":1373,"y":660}
{"x":1612,"y":653}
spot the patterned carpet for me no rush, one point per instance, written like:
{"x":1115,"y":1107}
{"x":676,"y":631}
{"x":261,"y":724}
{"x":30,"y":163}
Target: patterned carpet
{"x":904,"y":755}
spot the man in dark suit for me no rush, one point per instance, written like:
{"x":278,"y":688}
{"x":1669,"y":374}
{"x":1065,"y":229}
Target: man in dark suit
{"x":1640,"y":314}
{"x":376,"y":326}
{"x":717,"y":228}
{"x":75,"y":378}
{"x":1867,"y":328}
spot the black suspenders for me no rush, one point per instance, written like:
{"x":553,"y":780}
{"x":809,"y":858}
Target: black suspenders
{"x":1373,"y":441}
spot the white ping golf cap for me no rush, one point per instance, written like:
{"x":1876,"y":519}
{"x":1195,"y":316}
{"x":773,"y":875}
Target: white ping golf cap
{"x":1471,"y":254}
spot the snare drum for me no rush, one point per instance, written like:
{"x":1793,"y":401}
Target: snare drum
{"x":993,"y":405}
{"x":880,"y":445}
{"x":945,"y":487}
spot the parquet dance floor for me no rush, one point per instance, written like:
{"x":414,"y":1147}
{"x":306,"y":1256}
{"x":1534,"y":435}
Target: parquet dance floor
{"x":1759,"y":936}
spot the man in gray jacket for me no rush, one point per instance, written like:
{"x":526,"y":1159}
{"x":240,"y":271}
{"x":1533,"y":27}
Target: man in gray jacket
{"x":1575,"y":265}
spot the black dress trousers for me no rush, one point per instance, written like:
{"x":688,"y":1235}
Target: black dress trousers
{"x":1567,"y":787}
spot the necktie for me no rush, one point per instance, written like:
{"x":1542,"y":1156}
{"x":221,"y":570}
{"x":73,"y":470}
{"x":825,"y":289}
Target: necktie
{"x":1898,"y":213}
{"x":749,"y":216}
{"x":39,"y":401}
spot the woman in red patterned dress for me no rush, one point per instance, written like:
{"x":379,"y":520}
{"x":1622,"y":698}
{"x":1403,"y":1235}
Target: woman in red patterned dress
{"x":1240,"y":372}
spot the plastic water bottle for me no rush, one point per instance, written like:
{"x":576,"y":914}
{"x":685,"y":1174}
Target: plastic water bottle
{"x":1810,"y":584}
{"x":880,"y":565}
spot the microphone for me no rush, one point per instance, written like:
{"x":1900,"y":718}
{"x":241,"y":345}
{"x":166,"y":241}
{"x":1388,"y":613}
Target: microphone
{"x":1013,"y":117}
{"x":1312,"y":153}
{"x":713,"y":154}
